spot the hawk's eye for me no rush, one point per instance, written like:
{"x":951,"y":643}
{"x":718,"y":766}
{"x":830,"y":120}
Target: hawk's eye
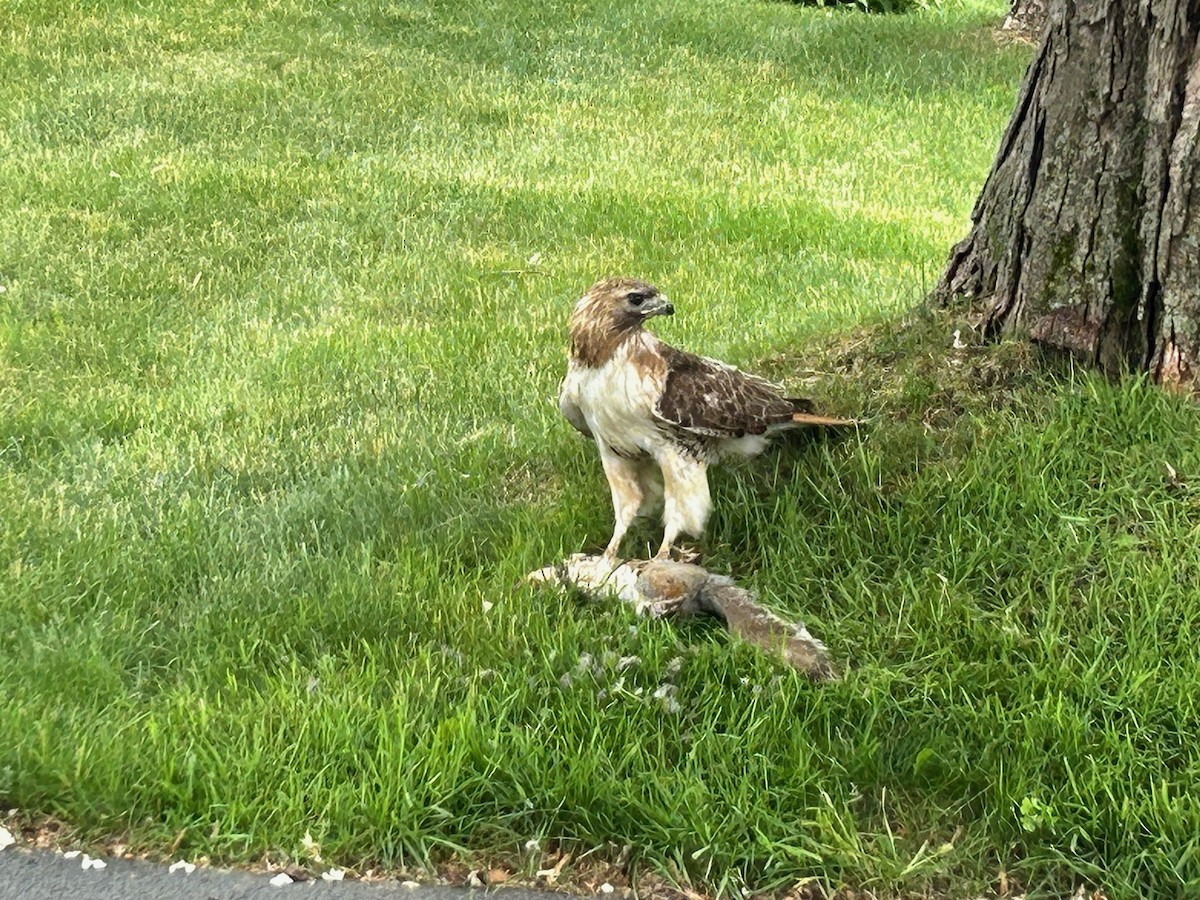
{"x":638,"y":299}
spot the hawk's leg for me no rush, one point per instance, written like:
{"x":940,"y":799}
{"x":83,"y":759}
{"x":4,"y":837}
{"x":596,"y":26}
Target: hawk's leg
{"x":627,"y":496}
{"x":687,"y":501}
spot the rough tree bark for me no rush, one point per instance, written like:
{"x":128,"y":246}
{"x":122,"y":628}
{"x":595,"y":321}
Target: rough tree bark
{"x":1085,"y":234}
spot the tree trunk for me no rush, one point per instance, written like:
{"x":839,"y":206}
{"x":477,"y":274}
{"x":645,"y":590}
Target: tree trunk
{"x":1084,"y":236}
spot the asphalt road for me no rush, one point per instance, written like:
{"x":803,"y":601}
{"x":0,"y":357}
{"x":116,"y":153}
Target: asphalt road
{"x":46,"y":875}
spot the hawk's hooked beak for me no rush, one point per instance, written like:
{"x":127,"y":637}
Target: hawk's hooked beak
{"x":658,"y":305}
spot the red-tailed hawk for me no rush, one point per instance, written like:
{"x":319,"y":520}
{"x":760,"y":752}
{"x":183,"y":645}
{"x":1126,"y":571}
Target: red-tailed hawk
{"x":660,"y":416}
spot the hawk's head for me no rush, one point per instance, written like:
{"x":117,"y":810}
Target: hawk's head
{"x":609,"y":312}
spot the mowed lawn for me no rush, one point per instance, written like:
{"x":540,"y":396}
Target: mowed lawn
{"x":283,"y":317}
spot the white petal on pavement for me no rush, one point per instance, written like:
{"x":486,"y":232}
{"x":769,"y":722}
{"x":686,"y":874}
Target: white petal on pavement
{"x":281,"y":880}
{"x":89,"y":863}
{"x":187,"y":867}
{"x":6,"y":838}
{"x":71,"y":854}
{"x":333,"y":875}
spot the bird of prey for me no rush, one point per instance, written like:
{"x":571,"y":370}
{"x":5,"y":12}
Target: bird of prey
{"x":660,"y":416}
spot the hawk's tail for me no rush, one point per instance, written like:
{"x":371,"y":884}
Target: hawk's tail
{"x":801,"y":418}
{"x":802,"y":414}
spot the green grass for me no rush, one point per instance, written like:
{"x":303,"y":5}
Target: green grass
{"x":284,"y":314}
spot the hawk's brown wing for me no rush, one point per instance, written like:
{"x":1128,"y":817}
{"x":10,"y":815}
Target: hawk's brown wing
{"x":711,"y":399}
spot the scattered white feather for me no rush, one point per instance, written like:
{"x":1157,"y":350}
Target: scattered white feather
{"x":606,"y":888}
{"x":531,"y":845}
{"x":333,"y":875}
{"x":88,"y":863}
{"x":6,"y":838}
{"x":411,"y":885}
{"x":187,"y":867}
{"x":71,"y":854}
{"x":958,"y":341}
{"x":281,"y":880}
{"x":311,"y":847}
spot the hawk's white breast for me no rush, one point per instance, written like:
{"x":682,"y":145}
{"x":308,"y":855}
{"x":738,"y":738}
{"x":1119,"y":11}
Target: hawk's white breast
{"x":618,"y":398}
